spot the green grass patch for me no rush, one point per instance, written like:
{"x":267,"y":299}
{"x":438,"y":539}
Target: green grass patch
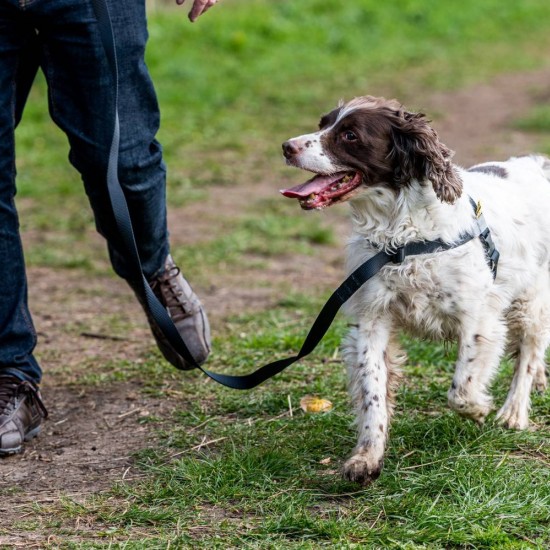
{"x":538,"y":120}
{"x":277,"y":66}
{"x":234,"y":469}
{"x":270,"y":229}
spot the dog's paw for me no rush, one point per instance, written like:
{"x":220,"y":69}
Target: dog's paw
{"x":474,"y":407}
{"x":361,"y":469}
{"x":513,"y":417}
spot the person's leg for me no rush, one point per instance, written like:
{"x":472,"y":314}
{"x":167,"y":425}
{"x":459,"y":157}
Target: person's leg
{"x":17,"y":335}
{"x":81,"y":103}
{"x":80,"y":100}
{"x":21,"y":407}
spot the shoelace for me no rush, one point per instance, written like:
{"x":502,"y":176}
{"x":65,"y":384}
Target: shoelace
{"x":175,"y":301}
{"x":11,"y":387}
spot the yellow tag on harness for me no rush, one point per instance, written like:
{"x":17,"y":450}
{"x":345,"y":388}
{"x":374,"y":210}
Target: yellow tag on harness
{"x":478,"y":209}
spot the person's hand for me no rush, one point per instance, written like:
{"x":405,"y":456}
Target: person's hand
{"x":199,"y":7}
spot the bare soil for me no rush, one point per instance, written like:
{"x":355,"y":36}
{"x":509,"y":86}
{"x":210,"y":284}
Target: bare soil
{"x":93,"y":429}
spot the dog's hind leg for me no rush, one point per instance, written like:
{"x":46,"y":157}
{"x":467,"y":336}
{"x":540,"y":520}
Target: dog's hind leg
{"x":480,"y":348}
{"x":540,"y":383}
{"x":373,"y":368}
{"x":529,"y":319}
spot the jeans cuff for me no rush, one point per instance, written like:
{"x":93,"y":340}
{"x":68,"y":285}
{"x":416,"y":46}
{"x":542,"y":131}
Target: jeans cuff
{"x":18,"y":374}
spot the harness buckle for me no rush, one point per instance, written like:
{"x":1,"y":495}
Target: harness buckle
{"x":399,"y":255}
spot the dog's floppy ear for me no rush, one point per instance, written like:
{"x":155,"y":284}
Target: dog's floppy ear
{"x":417,"y":153}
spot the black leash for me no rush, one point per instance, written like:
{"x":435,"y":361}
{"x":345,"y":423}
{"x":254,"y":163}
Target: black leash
{"x":321,"y":325}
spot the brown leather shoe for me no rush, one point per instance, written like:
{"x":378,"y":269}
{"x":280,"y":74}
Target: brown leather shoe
{"x":187,"y":313}
{"x":21,"y":412}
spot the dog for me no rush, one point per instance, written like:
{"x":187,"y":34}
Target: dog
{"x":402,"y":187}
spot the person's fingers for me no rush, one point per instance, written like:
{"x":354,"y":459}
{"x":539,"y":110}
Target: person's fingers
{"x":199,"y":7}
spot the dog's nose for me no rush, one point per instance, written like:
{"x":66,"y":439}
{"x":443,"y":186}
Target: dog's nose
{"x":289,"y":149}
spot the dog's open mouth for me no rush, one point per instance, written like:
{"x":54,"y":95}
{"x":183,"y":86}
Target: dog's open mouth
{"x":322,"y":190}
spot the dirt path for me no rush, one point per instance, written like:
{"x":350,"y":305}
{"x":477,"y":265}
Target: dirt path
{"x":88,"y":441}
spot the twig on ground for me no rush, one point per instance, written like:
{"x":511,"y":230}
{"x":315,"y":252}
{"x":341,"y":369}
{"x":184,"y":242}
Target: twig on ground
{"x":128,"y":413}
{"x":201,"y":424}
{"x":376,"y":520}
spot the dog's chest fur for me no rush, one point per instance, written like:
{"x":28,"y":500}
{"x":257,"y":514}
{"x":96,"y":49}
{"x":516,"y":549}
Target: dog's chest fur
{"x":424,"y":298}
{"x":427,"y":295}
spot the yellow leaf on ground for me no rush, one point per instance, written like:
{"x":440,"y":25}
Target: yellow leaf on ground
{"x":311,"y":404}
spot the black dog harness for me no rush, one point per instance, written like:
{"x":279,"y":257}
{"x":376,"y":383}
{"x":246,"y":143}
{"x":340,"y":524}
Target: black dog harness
{"x":319,"y":328}
{"x":491,"y":251}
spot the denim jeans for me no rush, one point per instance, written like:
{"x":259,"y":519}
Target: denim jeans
{"x":62,"y":37}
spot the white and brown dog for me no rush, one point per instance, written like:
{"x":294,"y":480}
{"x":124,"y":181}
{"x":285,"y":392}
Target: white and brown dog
{"x":402,"y":188}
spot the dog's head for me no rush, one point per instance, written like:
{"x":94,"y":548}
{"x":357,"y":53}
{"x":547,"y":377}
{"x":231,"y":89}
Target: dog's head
{"x":365,"y":143}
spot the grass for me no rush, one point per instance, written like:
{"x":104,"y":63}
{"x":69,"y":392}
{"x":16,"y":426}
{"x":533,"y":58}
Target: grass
{"x":538,"y":121}
{"x":236,"y":470}
{"x":232,"y":88}
{"x":250,"y":240}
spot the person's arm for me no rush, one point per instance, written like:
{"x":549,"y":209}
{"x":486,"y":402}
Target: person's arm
{"x":199,"y":7}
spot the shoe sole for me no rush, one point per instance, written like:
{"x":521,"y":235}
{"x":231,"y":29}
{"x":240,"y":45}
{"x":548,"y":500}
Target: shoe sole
{"x":16,"y":450}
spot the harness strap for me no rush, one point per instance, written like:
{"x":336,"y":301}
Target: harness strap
{"x":485,"y":237}
{"x":323,"y":321}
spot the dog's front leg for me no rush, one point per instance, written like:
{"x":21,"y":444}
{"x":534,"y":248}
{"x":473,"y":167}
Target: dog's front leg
{"x":371,"y":375}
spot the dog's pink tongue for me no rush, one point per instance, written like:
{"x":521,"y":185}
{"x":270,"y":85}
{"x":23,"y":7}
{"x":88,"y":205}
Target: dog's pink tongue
{"x":315,"y":185}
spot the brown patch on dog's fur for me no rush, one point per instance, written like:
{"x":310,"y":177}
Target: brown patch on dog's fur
{"x":393,"y":146}
{"x":491,"y":169}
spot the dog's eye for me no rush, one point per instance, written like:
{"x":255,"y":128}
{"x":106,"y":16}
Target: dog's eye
{"x":348,"y":135}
